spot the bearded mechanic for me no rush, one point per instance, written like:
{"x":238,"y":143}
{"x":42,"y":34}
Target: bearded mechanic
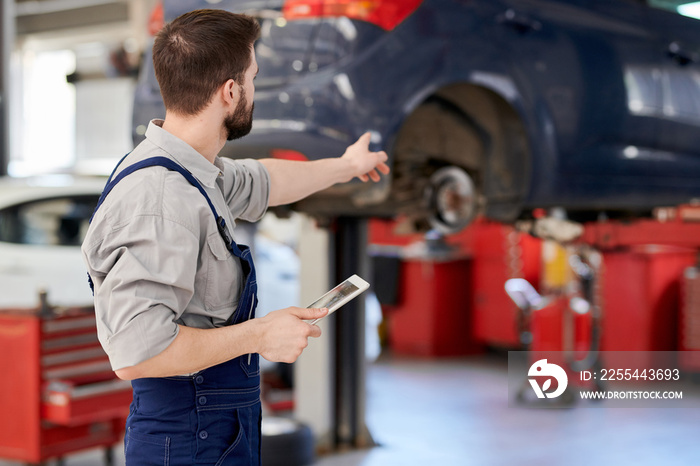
{"x":174,"y":292}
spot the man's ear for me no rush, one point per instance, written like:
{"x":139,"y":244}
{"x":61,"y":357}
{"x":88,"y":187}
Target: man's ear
{"x":229,"y":92}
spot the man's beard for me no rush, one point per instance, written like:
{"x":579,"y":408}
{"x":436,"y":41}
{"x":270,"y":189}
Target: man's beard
{"x":240,"y":122}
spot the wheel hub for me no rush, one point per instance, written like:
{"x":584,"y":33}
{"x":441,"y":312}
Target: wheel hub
{"x":452,"y":198}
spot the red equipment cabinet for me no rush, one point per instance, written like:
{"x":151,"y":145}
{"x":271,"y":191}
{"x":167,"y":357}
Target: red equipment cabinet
{"x":462,"y":298}
{"x":500,"y":253}
{"x":58,"y":393}
{"x":689,"y":321}
{"x":641,"y":291}
{"x":434,"y":315}
{"x":557,"y":328}
{"x":643,"y":265}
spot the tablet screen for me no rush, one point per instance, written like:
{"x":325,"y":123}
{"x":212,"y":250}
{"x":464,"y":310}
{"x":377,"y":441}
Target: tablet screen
{"x":335,"y":295}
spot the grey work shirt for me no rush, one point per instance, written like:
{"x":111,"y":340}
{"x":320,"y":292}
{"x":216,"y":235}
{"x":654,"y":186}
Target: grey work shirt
{"x":154,"y":252}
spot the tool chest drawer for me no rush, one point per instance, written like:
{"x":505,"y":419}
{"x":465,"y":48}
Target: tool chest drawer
{"x":59,"y":393}
{"x":66,"y":404}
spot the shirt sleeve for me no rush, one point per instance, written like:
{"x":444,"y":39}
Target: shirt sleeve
{"x":246,"y":188}
{"x":144,"y":276}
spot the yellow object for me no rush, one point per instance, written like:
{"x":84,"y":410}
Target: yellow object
{"x":556,"y":272}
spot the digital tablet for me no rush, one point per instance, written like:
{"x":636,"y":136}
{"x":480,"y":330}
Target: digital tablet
{"x":340,"y":295}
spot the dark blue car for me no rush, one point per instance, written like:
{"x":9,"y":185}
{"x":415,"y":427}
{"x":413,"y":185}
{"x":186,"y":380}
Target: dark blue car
{"x":484,"y":106}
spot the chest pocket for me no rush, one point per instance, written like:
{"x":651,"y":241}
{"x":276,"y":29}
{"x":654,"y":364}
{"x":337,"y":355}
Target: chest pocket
{"x":223,"y":277}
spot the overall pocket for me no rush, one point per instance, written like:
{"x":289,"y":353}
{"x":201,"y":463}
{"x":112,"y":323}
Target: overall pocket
{"x":221,"y":437}
{"x":236,"y":452}
{"x":250,"y":363}
{"x":245,"y":448}
{"x":146,"y":449}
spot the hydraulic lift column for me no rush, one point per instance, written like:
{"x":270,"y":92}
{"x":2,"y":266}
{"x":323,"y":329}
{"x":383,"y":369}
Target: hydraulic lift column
{"x":350,"y":257}
{"x":7,"y":38}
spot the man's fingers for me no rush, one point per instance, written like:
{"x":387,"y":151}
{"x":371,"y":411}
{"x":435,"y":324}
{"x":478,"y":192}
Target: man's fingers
{"x":309,"y":314}
{"x":315,"y":331}
{"x":365,"y":139}
{"x":381,"y":166}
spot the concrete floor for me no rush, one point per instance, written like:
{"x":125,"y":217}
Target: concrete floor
{"x":455,"y":412}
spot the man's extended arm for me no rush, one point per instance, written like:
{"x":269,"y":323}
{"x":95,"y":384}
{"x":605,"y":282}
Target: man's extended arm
{"x":292,"y":181}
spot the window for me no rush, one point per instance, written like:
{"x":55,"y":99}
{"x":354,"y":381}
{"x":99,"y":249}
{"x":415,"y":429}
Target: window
{"x":43,"y":96}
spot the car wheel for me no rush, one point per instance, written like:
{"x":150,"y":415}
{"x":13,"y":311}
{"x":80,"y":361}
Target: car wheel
{"x":439,"y":159}
{"x":452,"y":199}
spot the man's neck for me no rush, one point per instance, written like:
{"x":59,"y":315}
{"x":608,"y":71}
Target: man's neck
{"x":203,"y":132}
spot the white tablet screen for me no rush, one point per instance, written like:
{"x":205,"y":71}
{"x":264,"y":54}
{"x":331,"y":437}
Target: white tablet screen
{"x":335,"y":295}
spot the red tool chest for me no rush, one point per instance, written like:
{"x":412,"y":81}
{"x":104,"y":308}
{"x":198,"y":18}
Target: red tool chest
{"x":557,"y":328}
{"x":689,"y":321}
{"x":500,"y":253}
{"x":642,"y":277}
{"x":58,"y":393}
{"x":454,"y":306}
{"x":641,"y":291}
{"x":434,"y":315}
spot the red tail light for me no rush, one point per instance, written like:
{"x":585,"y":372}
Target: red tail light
{"x":386,"y":14}
{"x":156,"y":20}
{"x":286,"y":154}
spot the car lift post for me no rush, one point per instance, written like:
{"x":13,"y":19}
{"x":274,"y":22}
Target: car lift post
{"x":7,"y":37}
{"x":349,"y":250}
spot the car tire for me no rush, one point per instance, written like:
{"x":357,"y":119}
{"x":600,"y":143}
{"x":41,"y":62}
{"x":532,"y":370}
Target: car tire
{"x":439,"y":160}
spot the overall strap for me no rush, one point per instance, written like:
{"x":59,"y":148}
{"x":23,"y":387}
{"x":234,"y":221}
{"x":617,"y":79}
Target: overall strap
{"x":174,"y":166}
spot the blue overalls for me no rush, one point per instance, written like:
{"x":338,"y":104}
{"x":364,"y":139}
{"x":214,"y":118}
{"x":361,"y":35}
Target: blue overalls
{"x":213,"y":416}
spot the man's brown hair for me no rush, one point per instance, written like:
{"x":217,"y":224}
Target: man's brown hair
{"x":199,"y":51}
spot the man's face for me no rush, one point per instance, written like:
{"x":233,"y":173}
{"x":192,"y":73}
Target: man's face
{"x":240,"y":121}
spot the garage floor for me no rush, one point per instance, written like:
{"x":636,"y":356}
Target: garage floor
{"x":455,"y":412}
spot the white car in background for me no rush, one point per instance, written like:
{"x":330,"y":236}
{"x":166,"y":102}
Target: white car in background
{"x":42,"y":223}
